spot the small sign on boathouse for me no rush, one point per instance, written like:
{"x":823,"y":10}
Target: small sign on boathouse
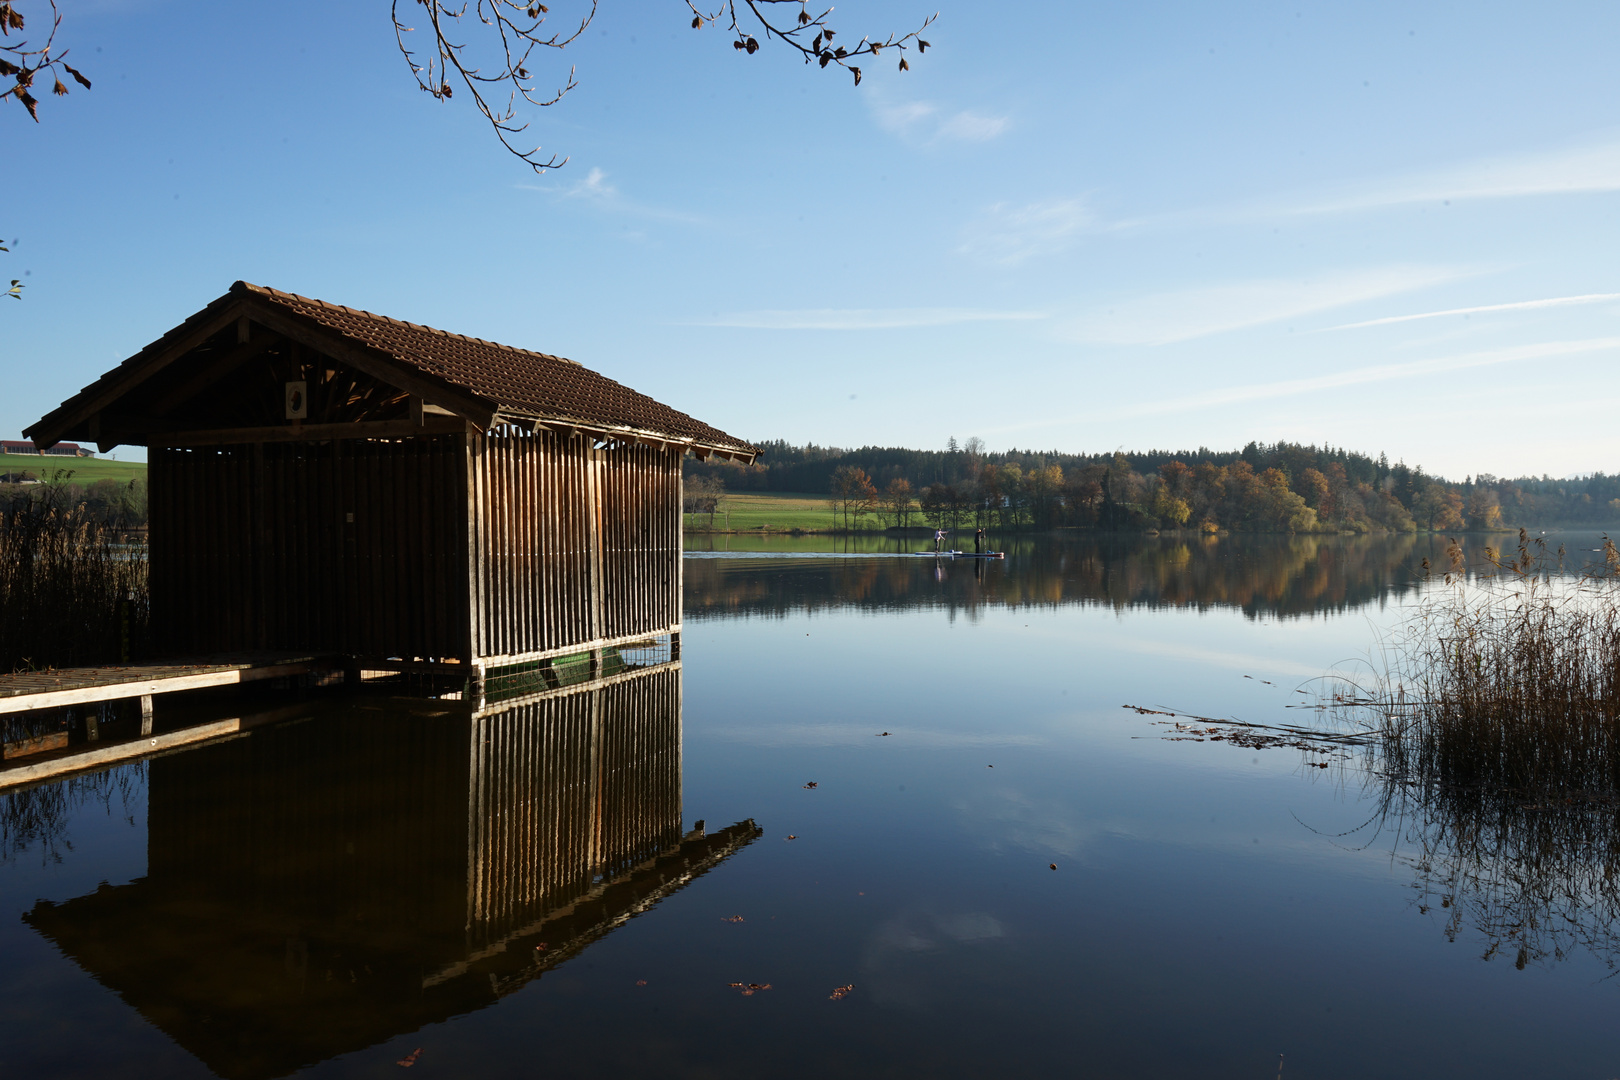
{"x":326,"y":479}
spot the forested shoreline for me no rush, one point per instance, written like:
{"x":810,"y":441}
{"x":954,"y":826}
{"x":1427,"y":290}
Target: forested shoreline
{"x":1281,"y":487}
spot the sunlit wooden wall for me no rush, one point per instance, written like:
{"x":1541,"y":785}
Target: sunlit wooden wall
{"x":576,"y":545}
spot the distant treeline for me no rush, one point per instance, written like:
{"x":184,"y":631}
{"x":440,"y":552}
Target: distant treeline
{"x":1282,"y":487}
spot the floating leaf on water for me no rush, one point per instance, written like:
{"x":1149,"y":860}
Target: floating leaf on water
{"x":409,"y":1059}
{"x":840,"y":992}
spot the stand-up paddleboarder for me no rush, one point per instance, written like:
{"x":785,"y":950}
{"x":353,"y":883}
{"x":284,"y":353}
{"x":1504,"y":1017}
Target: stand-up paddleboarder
{"x":939,"y":540}
{"x":978,"y":542}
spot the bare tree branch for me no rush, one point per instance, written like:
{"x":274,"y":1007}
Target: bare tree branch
{"x":23,"y":63}
{"x":808,"y":33}
{"x":511,"y":30}
{"x":519,"y":29}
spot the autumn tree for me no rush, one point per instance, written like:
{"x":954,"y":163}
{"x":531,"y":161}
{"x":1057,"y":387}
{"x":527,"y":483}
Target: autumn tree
{"x":1281,"y":508}
{"x":853,"y":494}
{"x":1438,"y":508}
{"x":702,"y":495}
{"x":1314,"y":488}
{"x":897,"y":501}
{"x":1043,"y":487}
{"x":1170,"y":503}
{"x":1485,"y":509}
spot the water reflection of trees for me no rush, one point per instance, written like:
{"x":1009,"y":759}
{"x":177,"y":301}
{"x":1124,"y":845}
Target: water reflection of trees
{"x":1261,"y":575}
{"x":35,"y":820}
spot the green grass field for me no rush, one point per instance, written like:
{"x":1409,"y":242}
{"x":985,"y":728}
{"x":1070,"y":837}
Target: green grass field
{"x":777,"y":510}
{"x":85,"y":470}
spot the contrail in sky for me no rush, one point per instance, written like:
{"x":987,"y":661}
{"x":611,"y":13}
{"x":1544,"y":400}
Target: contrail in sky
{"x":1556,"y":301}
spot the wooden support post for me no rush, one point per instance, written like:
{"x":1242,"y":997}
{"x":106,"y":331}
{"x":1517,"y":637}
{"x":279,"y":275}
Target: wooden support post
{"x":596,"y":663}
{"x":146,"y":714}
{"x":675,"y":645}
{"x":92,"y":724}
{"x":351,"y":672}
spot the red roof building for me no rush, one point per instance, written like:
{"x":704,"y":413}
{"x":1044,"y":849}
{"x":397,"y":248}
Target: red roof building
{"x":327,"y":479}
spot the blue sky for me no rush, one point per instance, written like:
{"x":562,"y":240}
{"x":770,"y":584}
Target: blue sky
{"x":1080,"y":226}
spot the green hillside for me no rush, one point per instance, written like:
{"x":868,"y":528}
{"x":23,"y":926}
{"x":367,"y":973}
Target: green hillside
{"x":84,"y":470}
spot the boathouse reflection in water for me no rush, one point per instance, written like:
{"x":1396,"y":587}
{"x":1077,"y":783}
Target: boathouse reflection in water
{"x":314,"y":888}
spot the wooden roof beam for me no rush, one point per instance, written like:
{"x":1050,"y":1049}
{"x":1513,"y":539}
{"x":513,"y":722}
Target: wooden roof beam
{"x":54,"y":426}
{"x":381,"y":368}
{"x":368,"y":429}
{"x":247,"y":349}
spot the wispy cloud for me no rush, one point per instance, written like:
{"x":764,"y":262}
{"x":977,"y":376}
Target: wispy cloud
{"x":924,"y":121}
{"x":1376,"y":373}
{"x":1521,"y":305}
{"x":1009,"y":233}
{"x":1199,"y":312}
{"x":1584,"y":169}
{"x":864,"y":318}
{"x":595,"y":189}
{"x":1588,"y":168}
{"x":1235,"y":395}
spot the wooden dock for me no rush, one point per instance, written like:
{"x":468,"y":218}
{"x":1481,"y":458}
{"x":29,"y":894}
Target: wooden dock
{"x":48,"y":755}
{"x":22,"y":691}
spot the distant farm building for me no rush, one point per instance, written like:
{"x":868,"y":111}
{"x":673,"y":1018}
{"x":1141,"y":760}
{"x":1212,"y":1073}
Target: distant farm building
{"x":61,"y":449}
{"x":326,"y":479}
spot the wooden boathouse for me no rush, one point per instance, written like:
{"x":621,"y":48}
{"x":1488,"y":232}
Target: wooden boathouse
{"x":325,"y":480}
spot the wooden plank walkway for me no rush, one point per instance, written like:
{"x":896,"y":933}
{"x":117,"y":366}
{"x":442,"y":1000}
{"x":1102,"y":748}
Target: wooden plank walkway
{"x":22,"y":691}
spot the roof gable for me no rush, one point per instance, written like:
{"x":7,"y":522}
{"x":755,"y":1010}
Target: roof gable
{"x":480,"y":381}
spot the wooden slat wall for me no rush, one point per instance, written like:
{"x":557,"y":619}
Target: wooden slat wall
{"x":641,"y":540}
{"x":577,"y":543}
{"x":567,"y":791}
{"x":252,"y":548}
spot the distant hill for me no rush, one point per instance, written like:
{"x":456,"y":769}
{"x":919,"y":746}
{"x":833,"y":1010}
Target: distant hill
{"x":84,"y":470}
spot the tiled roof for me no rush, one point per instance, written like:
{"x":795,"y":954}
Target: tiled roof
{"x":517,"y":381}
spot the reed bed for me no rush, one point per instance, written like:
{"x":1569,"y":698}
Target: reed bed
{"x":1508,"y":677}
{"x":70,"y":593}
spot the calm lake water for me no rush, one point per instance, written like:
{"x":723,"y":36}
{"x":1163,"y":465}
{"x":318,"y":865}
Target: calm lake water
{"x":526,"y":892}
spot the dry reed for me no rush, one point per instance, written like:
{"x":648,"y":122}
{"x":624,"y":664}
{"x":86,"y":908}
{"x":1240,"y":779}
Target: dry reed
{"x":70,"y":595}
{"x":1508,"y":678}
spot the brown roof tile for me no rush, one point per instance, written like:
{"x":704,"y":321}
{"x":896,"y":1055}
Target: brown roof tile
{"x":518,"y":381}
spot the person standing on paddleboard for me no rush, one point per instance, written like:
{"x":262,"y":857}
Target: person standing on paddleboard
{"x":939,"y":540}
{"x":978,"y":542}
